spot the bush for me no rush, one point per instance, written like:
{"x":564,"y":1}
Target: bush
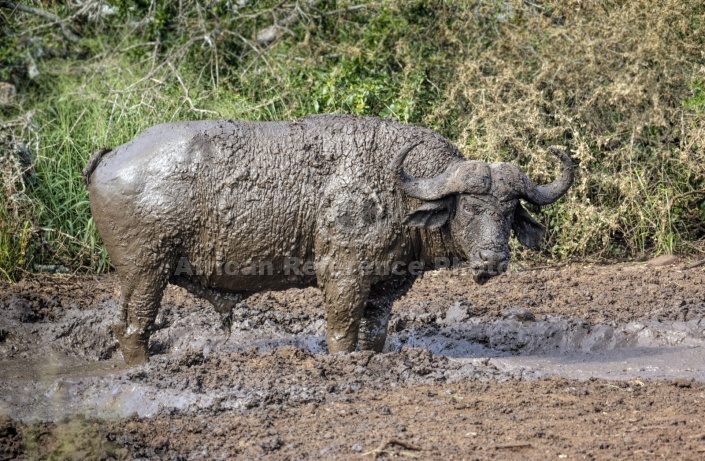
{"x":620,"y":83}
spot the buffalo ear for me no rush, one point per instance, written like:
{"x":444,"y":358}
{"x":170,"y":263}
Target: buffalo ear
{"x":431,"y":214}
{"x":526,"y":228}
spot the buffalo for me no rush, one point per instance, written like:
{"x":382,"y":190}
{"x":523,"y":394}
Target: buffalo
{"x":357,"y":206}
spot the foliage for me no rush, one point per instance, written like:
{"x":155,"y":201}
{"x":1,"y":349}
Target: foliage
{"x":620,"y":83}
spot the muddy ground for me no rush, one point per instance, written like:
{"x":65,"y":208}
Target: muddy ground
{"x":574,"y":362}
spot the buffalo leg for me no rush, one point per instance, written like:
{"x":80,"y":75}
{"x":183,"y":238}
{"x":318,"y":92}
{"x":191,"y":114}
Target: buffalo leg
{"x":345,"y":299}
{"x":140,"y":296}
{"x":224,"y":303}
{"x":373,"y":326}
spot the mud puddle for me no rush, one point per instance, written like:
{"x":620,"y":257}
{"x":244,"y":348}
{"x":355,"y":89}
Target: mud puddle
{"x":69,"y":366}
{"x":572,"y":348}
{"x":484,"y":349}
{"x":589,"y":362}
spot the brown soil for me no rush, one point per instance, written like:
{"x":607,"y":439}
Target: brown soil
{"x":617,"y":293}
{"x":288,"y":400}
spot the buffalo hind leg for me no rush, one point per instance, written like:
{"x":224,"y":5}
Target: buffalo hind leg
{"x":140,"y":296}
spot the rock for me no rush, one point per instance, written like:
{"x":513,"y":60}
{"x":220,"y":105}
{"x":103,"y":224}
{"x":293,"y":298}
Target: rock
{"x":357,"y":447}
{"x":272,"y":444}
{"x":664,"y":260}
{"x":32,"y":70}
{"x":519,"y":314}
{"x":682,"y":382}
{"x":457,"y":313}
{"x":7,"y":93}
{"x":268,"y":35}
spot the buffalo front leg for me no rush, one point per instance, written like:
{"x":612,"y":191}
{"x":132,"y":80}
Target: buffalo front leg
{"x":140,"y":296}
{"x":373,"y":326}
{"x":345,"y":298}
{"x":375,"y":318}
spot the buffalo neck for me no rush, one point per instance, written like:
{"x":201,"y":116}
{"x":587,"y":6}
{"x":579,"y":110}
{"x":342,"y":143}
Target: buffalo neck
{"x":436,"y":248}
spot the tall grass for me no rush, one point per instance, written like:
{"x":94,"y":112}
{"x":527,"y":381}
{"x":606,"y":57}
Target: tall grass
{"x":621,"y":84}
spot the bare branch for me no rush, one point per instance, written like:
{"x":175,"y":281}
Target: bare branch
{"x":187,"y":98}
{"x":268,"y":35}
{"x":65,"y":30}
{"x":683,"y":195}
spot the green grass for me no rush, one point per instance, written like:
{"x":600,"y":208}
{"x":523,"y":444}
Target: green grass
{"x":502,"y":82}
{"x":696,"y":102}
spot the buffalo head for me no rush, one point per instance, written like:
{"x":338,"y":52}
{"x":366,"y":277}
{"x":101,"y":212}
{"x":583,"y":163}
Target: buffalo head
{"x":481,"y":204}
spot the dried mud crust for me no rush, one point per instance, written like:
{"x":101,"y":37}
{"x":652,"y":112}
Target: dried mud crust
{"x":295,"y":402}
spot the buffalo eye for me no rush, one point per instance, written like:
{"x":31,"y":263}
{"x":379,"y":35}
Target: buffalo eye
{"x":471,"y":209}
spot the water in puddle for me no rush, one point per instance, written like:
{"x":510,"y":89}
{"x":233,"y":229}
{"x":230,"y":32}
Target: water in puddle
{"x":46,"y":384}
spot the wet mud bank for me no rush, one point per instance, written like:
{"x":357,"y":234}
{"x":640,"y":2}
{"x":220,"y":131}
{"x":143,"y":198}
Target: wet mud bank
{"x":631,"y":330}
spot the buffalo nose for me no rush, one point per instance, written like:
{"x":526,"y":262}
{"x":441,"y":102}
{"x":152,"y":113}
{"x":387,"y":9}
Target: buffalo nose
{"x":491,"y":256}
{"x":494,"y":260}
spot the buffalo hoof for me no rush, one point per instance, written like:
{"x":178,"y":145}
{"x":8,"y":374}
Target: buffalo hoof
{"x":341,"y":346}
{"x":372,"y":335}
{"x":133,"y":346}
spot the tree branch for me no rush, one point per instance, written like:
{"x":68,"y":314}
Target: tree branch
{"x":65,"y":30}
{"x":683,"y":195}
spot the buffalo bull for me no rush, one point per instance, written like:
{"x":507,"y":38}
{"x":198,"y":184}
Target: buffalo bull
{"x":229,"y":208}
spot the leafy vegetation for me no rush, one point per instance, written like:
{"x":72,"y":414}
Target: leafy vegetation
{"x":620,"y":83}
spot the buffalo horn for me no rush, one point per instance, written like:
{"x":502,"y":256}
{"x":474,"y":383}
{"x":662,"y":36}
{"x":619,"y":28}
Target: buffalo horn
{"x":549,"y":193}
{"x":458,"y":177}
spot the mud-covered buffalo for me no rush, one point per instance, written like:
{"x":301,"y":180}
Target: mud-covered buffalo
{"x":336,"y":192}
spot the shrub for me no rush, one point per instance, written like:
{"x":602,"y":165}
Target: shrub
{"x":620,"y":83}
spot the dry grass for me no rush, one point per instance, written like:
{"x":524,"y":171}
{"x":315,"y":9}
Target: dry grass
{"x":608,"y":79}
{"x":17,"y":213}
{"x":621,"y":83}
